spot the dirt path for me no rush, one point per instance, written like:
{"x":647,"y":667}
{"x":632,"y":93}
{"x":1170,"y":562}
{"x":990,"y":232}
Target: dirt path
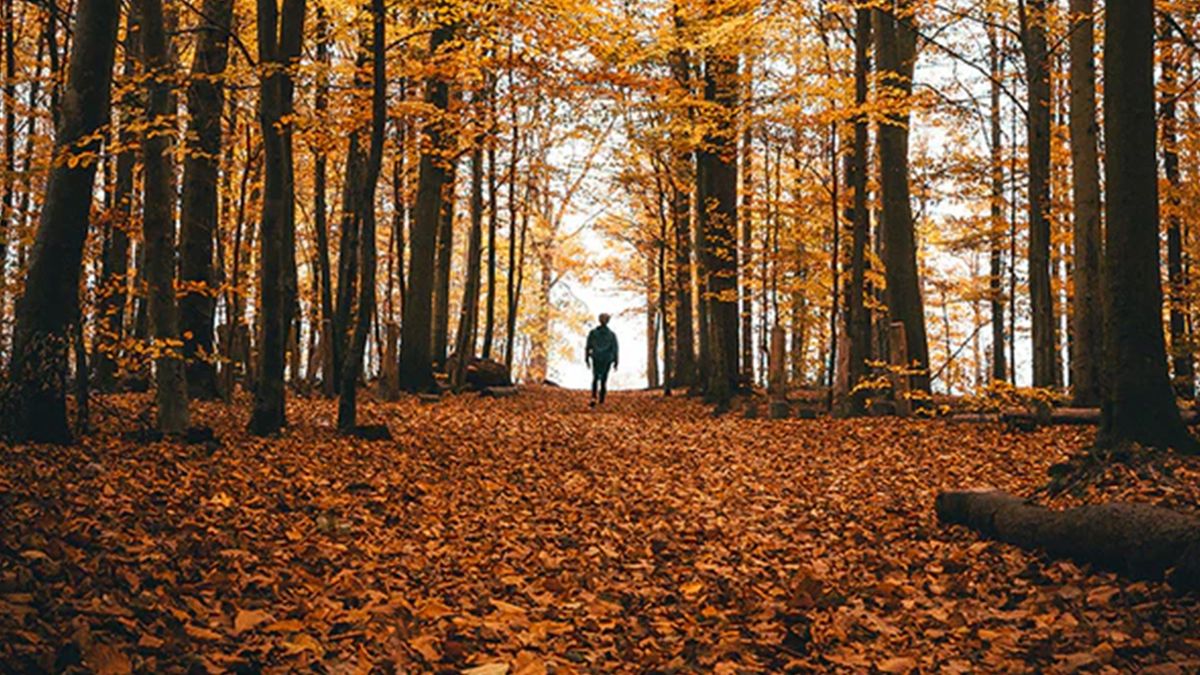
{"x":535,"y":532}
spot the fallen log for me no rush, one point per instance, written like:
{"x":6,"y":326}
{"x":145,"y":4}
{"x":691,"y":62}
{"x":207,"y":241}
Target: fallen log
{"x":1138,"y":540}
{"x":1058,"y":416}
{"x":498,"y":392}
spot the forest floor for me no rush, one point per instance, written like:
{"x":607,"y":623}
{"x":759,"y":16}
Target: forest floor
{"x":534,"y":535}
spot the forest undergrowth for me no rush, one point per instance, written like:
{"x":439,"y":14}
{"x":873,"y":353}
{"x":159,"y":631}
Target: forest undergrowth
{"x":534,"y":535}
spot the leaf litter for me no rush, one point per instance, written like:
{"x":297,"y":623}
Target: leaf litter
{"x":532,"y":535}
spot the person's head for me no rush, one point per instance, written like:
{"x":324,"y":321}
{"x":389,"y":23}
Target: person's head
{"x":604,"y":319}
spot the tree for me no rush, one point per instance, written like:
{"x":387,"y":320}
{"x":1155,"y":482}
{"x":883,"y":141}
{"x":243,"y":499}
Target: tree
{"x":1139,"y":403}
{"x":36,"y":397}
{"x":717,"y":198}
{"x":1183,"y":367}
{"x":416,"y":367}
{"x":280,"y":37}
{"x":364,"y":205}
{"x":1088,"y":337}
{"x":114,"y":281}
{"x":895,"y":49}
{"x":996,"y":208}
{"x":682,"y":165}
{"x":198,"y":222}
{"x":464,"y":344}
{"x":329,"y":345}
{"x":857,"y":316}
{"x":1037,"y":77}
{"x":158,"y":224}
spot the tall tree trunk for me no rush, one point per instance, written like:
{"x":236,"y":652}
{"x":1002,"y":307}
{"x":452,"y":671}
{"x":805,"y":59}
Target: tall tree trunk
{"x":745,"y":263}
{"x":416,"y":371}
{"x":996,"y":238}
{"x":8,"y":201}
{"x":1088,"y":321}
{"x":681,"y":169}
{"x":36,"y":408}
{"x":895,"y":45}
{"x":1037,"y":74}
{"x":858,"y":318}
{"x":328,"y":344}
{"x":349,"y":248}
{"x":158,"y":223}
{"x":364,"y":203}
{"x":114,"y":281}
{"x":206,"y":99}
{"x":1183,"y":368}
{"x":1139,"y":403}
{"x":280,"y":37}
{"x":443,"y":265}
{"x":719,"y":216}
{"x":511,"y":290}
{"x":464,"y":344}
{"x":489,"y":330}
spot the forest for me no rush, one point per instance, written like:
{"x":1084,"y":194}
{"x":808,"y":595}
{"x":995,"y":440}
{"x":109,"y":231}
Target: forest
{"x":298,"y":304}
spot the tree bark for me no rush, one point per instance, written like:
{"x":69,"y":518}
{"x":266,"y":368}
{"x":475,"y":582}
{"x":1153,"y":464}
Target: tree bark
{"x":684,"y":370}
{"x":1088,"y":327}
{"x":1139,"y":403}
{"x":364,"y":203}
{"x":36,"y":405}
{"x":858,"y":318}
{"x":158,"y":223}
{"x":895,"y":45}
{"x":114,"y":280}
{"x":464,"y":345}
{"x":1183,"y":367}
{"x":717,"y":161}
{"x":198,"y":224}
{"x":1138,"y":540}
{"x":443,"y":265}
{"x":996,"y":238}
{"x":489,"y":330}
{"x":329,"y":362}
{"x":1037,"y":74}
{"x":280,"y":37}
{"x":416,"y":371}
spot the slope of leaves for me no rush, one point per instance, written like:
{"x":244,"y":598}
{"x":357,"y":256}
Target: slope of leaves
{"x":531,"y":535}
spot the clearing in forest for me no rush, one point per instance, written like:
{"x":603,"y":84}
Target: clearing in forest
{"x":534,"y":534}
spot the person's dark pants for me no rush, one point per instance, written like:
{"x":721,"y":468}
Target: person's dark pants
{"x":600,"y":379}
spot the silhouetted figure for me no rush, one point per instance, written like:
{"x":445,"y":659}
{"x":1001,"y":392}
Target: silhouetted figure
{"x":602,"y":354}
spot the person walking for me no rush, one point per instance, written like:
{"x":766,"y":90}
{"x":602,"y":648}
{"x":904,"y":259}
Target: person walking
{"x":602,"y":354}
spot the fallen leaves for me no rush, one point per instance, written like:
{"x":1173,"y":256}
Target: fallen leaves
{"x":531,"y":536}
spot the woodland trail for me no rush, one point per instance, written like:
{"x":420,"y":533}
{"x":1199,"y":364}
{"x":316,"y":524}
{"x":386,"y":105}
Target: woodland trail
{"x":537,"y":533}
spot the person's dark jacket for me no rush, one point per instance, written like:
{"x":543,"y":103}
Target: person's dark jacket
{"x":602,"y":345}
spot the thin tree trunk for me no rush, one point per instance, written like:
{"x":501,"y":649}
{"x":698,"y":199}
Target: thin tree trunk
{"x":996,"y":239}
{"x":114,"y":280}
{"x":489,"y":330}
{"x":681,"y":168}
{"x":416,"y":371}
{"x":1183,"y":368}
{"x":1139,"y":403}
{"x":280,"y":37}
{"x":329,"y":354}
{"x":858,"y":318}
{"x":464,"y":345}
{"x":1033,"y":38}
{"x":365,"y":204}
{"x":158,"y":223}
{"x":443,"y":265}
{"x":206,"y":100}
{"x":1088,"y":328}
{"x":36,"y":407}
